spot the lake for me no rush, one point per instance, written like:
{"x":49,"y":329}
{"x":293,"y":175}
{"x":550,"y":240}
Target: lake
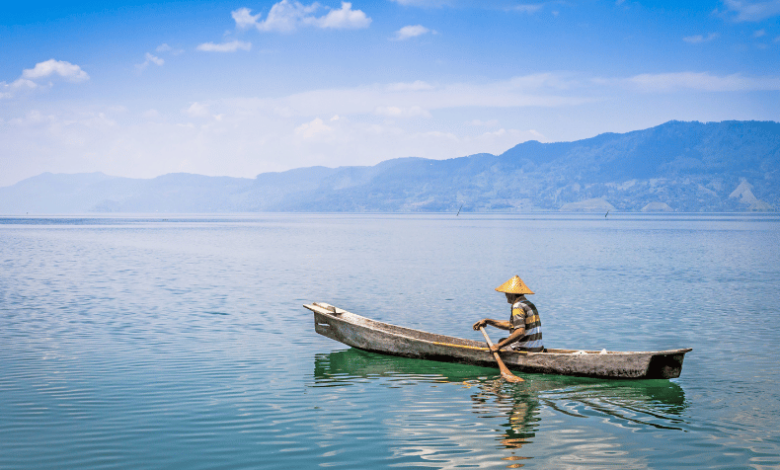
{"x":180,"y":342}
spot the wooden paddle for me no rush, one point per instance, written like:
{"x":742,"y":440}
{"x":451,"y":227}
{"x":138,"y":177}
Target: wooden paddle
{"x":505,"y":373}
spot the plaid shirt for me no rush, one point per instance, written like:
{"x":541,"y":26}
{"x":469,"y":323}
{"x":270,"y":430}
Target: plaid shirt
{"x":525,"y":315}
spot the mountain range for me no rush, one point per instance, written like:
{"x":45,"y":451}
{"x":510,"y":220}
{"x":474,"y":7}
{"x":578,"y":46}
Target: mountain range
{"x":677,"y":166}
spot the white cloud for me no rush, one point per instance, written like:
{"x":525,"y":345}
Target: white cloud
{"x":8,"y":90}
{"x":315,"y":128}
{"x":701,"y":81}
{"x":543,"y":80}
{"x":244,"y":18}
{"x":246,"y":136}
{"x":164,"y":47}
{"x":66,"y":70}
{"x":150,"y":59}
{"x":395,"y":111}
{"x":287,"y":16}
{"x":32,"y":118}
{"x":345,"y":18}
{"x":496,"y":133}
{"x":420,"y":98}
{"x":197,"y":110}
{"x":417,"y":85}
{"x":22,"y":83}
{"x":698,"y":39}
{"x":411,"y":31}
{"x":231,"y":46}
{"x":759,"y":33}
{"x":753,"y":10}
{"x":544,"y":90}
{"x":155,"y":60}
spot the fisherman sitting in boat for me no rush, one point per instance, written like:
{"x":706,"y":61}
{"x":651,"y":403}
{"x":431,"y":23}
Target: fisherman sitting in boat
{"x":524,"y":324}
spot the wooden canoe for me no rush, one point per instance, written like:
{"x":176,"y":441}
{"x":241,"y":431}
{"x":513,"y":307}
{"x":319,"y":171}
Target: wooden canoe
{"x":371,"y":335}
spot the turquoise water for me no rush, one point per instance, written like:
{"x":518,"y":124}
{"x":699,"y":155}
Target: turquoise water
{"x":181,"y":343}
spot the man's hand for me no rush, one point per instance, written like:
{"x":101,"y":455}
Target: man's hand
{"x":495,"y":348}
{"x":480,"y":324}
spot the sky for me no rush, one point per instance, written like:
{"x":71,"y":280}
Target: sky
{"x":238,"y":88}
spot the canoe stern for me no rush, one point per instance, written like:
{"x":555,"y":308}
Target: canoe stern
{"x":665,"y":366}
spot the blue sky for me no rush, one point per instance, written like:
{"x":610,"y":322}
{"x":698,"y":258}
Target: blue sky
{"x":238,"y":88}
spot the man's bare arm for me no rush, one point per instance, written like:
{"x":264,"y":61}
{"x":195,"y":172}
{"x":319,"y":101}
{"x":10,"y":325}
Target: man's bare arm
{"x":502,"y":325}
{"x":517,"y":334}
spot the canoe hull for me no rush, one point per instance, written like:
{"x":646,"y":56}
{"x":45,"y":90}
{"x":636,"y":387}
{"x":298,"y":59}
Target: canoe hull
{"x":370,"y":335}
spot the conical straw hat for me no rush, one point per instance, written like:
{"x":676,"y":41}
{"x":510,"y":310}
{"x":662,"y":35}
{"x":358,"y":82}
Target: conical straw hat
{"x":514,"y":286}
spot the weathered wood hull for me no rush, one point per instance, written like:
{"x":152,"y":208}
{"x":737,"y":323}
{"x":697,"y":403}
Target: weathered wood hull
{"x":371,"y":335}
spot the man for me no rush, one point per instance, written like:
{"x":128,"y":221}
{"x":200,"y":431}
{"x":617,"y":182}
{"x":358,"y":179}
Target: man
{"x":524,"y":324}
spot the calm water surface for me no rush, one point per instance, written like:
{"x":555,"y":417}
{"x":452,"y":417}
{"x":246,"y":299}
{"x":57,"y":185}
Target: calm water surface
{"x":181,"y":343}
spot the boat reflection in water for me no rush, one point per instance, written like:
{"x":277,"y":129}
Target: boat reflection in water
{"x":508,"y":415}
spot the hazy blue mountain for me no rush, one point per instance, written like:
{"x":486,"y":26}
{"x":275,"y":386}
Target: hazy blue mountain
{"x":95,"y":192}
{"x":680,"y":166}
